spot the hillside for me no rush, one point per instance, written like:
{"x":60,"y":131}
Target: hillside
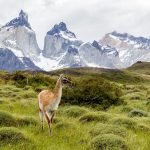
{"x":140,"y":67}
{"x":106,"y":109}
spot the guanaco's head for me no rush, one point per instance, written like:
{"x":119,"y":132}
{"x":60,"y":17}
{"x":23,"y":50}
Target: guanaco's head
{"x":66,"y":81}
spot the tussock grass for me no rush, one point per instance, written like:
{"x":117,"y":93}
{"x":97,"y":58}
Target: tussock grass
{"x":57,"y":120}
{"x":11,"y":135}
{"x":109,"y":142}
{"x":145,"y":120}
{"x":137,"y":113}
{"x":124,"y":121}
{"x":143,"y":127}
{"x":108,"y":129}
{"x":6,"y":119}
{"x":132,"y":96}
{"x":75,"y":111}
{"x":1,"y":101}
{"x":126,"y":108}
{"x":94,"y":116}
{"x":28,"y":94}
{"x":65,"y":125}
{"x":26,"y":121}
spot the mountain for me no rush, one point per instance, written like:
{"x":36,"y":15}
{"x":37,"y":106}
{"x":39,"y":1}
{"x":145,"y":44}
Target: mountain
{"x":130,"y":48}
{"x":62,"y":49}
{"x":96,"y":55}
{"x":18,"y":36}
{"x":58,"y":40}
{"x":62,"y":45}
{"x":10,"y":62}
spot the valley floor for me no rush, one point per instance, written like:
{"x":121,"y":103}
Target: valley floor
{"x":126,"y":126}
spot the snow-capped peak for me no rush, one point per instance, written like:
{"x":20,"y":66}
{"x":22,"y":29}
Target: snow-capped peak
{"x":96,"y":45}
{"x":141,"y":41}
{"x":72,"y":50}
{"x":22,"y":20}
{"x":60,"y":30}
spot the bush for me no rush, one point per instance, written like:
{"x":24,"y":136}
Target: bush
{"x":108,"y":141}
{"x":75,"y":111}
{"x":108,"y":129}
{"x":6,"y":119}
{"x":89,"y":117}
{"x":137,"y":113}
{"x":89,"y":91}
{"x":11,"y":135}
{"x":22,"y":79}
{"x":124,"y":121}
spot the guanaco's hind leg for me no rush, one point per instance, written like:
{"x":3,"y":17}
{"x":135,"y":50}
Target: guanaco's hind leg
{"x":49,"y":122}
{"x":41,"y":118}
{"x":53,"y":113}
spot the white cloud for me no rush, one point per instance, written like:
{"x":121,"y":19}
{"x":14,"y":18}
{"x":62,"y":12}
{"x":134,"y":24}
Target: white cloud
{"x":88,"y":19}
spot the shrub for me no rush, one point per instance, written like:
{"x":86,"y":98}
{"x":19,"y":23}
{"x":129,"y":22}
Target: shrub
{"x":89,"y":91}
{"x":124,"y":121}
{"x":108,"y":141}
{"x":108,"y":129}
{"x":89,"y":117}
{"x":75,"y":111}
{"x":11,"y":135}
{"x":22,"y":79}
{"x":137,"y":113}
{"x":6,"y":119}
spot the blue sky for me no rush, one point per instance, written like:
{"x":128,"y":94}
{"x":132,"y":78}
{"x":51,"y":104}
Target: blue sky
{"x":88,"y":19}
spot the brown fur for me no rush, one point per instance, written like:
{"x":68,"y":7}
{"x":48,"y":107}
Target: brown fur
{"x":46,"y":101}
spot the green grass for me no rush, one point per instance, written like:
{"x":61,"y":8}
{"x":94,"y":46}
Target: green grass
{"x":108,"y":141}
{"x":85,"y":125}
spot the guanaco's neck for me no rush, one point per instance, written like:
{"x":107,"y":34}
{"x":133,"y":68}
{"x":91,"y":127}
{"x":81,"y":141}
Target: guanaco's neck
{"x":58,"y":89}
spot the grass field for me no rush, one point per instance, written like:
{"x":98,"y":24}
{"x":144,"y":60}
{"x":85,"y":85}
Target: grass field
{"x":120,"y":126}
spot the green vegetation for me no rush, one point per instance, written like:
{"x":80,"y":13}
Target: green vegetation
{"x":138,"y":113}
{"x":108,"y":141}
{"x":94,"y":116}
{"x":74,"y":111}
{"x":108,"y":129}
{"x":106,"y":109}
{"x":11,"y":135}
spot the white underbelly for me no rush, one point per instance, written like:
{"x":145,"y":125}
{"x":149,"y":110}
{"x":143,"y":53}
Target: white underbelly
{"x":54,"y":105}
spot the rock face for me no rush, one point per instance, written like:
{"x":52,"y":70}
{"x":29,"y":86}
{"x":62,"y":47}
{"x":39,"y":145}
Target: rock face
{"x":62,"y":49}
{"x":10,"y":62}
{"x":58,"y":40}
{"x":96,"y":55}
{"x":130,"y":48}
{"x":17,"y":34}
{"x":63,"y":46}
{"x":18,"y":37}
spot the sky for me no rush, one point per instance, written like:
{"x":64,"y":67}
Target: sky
{"x":88,"y":19}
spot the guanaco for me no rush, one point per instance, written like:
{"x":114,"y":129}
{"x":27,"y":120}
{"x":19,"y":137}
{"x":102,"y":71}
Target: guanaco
{"x":48,"y":101}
